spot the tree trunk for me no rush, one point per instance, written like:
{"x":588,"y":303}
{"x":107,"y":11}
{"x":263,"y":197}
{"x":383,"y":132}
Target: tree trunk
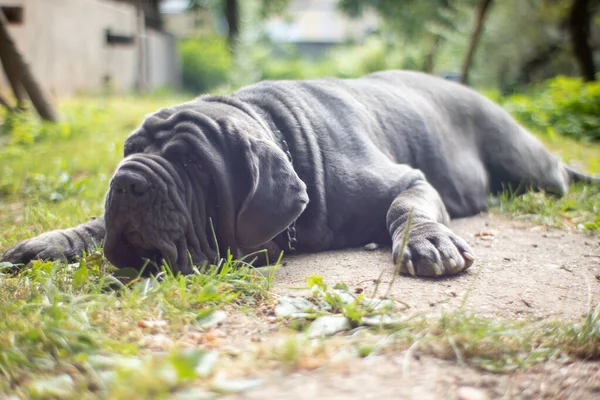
{"x":430,"y":57}
{"x":232,"y":15}
{"x":579,"y":27}
{"x":13,"y":76}
{"x":536,"y":62}
{"x":11,"y":56}
{"x":479,"y":19}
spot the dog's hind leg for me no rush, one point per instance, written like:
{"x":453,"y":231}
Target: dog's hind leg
{"x":517,"y":161}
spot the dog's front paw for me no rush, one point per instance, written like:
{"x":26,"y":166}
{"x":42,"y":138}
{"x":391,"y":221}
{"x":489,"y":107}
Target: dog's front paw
{"x":431,"y":250}
{"x":48,"y":246}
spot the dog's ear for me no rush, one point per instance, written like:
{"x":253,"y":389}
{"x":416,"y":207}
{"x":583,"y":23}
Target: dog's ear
{"x":276,"y":195}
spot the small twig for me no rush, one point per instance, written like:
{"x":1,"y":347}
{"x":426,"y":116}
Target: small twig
{"x":402,"y":254}
{"x":408,"y":355}
{"x":212,"y":229}
{"x":589,"y":294}
{"x":459,"y":357}
{"x":377,"y":282}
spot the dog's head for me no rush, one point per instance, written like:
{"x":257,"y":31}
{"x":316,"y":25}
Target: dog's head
{"x":197,"y":180}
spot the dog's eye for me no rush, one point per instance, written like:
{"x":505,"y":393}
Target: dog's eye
{"x":191,"y":163}
{"x":177,"y":154}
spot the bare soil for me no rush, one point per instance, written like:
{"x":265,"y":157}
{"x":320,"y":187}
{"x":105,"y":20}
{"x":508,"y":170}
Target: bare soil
{"x":521,"y":271}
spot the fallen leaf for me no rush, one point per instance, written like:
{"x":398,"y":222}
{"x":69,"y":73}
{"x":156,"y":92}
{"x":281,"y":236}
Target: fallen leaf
{"x":484,"y":233}
{"x":61,"y":386}
{"x":212,"y":319}
{"x":289,"y":306}
{"x":327,"y":325}
{"x":223,"y":385}
{"x":151,"y":324}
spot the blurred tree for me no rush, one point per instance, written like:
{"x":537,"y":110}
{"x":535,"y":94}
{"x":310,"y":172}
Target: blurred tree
{"x":20,"y":75}
{"x":232,"y":15}
{"x":480,"y":14}
{"x":231,"y":11}
{"x":425,"y":22}
{"x":580,"y":26}
{"x":524,"y":40}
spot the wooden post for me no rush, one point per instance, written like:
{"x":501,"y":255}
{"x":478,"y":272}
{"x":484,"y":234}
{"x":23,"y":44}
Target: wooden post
{"x":13,"y":77}
{"x":11,"y":56}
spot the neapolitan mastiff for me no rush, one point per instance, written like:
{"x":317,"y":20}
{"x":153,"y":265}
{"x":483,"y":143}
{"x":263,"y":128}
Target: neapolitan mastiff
{"x":330,"y":163}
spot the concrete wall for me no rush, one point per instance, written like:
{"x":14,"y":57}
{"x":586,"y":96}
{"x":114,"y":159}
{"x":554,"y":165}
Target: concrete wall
{"x":163,"y":67}
{"x":64,"y":42}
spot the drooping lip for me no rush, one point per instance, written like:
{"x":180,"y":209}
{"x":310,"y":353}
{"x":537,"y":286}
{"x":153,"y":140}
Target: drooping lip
{"x":132,"y":231}
{"x":125,"y":251}
{"x":127,"y":247}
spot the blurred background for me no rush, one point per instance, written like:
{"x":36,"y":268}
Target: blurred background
{"x":52,"y":50}
{"x":87,"y":46}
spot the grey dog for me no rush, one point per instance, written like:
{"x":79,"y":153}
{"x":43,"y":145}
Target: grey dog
{"x":310,"y":166}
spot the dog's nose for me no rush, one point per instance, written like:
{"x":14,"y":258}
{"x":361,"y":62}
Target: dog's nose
{"x":131,"y":183}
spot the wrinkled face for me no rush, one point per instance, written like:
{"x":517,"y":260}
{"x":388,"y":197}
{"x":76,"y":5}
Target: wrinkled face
{"x":156,"y":209}
{"x":199,"y":180}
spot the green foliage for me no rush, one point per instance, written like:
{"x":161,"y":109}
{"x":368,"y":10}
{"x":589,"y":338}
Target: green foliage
{"x":347,"y":61}
{"x":563,"y":106}
{"x":410,"y":18}
{"x":56,"y":175}
{"x":55,"y":316}
{"x":491,"y":344}
{"x":357,"y":308}
{"x":49,"y":189}
{"x":206,"y":63}
{"x":77,"y":119}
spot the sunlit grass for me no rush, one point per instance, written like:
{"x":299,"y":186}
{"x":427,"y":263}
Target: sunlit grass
{"x":59,"y":320}
{"x":57,"y":176}
{"x":80,"y":330}
{"x":56,"y":320}
{"x":579,"y":209}
{"x":490,"y":344}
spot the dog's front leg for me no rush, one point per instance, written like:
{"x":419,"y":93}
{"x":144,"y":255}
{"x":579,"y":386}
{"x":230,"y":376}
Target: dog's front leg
{"x":432,"y":249}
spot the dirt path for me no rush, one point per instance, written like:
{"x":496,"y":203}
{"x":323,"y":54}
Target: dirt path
{"x":522,"y":271}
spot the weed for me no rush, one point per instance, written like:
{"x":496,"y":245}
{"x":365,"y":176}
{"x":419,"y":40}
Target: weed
{"x":53,"y":316}
{"x":580,"y":208}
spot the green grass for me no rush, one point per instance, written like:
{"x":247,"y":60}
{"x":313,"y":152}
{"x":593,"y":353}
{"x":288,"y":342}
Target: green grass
{"x":78,"y":332}
{"x":81,"y":323}
{"x":579,"y":209}
{"x":56,"y":176}
{"x":495,"y":345}
{"x":57,"y":319}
